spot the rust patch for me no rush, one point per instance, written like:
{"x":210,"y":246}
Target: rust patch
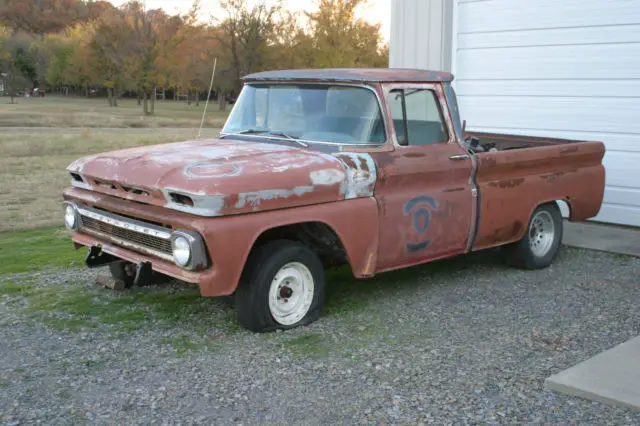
{"x":569,"y":150}
{"x":552,"y":177}
{"x":350,"y":162}
{"x":363,"y":164}
{"x":488,"y":161}
{"x":383,"y":159}
{"x":509,"y":183}
{"x":499,"y":235}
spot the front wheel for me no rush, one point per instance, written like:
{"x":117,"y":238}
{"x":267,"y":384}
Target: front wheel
{"x":541,"y":242}
{"x":282,"y":287}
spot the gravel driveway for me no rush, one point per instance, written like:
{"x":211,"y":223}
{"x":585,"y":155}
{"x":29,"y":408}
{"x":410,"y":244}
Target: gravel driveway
{"x":464,"y":341}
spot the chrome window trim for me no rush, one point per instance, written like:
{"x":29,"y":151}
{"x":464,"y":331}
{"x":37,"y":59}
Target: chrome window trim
{"x":320,"y":83}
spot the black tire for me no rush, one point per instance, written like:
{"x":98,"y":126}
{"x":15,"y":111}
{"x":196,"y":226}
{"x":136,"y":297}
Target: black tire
{"x":123,"y":271}
{"x":522,"y":255}
{"x":253,"y":292}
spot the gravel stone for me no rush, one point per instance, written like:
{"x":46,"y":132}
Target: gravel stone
{"x":466,"y":341}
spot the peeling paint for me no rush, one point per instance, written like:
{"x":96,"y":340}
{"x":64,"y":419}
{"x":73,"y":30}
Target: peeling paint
{"x":203,"y":205}
{"x":327,"y":177}
{"x":255,"y":198}
{"x":361,"y":174}
{"x":203,"y":169}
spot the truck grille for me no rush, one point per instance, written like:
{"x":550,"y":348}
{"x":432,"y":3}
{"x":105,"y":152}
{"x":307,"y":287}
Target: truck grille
{"x":133,"y":234}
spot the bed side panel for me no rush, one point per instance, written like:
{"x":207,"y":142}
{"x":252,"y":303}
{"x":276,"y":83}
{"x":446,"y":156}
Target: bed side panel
{"x":513,"y":183}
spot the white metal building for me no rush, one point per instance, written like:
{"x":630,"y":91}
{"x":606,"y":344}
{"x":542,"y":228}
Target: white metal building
{"x":559,"y":68}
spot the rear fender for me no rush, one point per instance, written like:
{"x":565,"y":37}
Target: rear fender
{"x":513,"y":183}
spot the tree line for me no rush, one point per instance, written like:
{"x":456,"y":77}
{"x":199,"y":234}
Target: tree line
{"x":89,"y":46}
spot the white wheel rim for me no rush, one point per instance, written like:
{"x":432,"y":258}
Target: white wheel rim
{"x":291,"y":293}
{"x":541,"y":233}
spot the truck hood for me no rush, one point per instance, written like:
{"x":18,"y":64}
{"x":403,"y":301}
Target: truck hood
{"x":219,"y":177}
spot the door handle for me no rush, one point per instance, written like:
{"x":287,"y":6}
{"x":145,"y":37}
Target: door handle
{"x":459,"y":157}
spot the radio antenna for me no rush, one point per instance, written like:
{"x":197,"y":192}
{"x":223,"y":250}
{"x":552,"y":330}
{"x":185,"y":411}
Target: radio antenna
{"x":204,"y":113}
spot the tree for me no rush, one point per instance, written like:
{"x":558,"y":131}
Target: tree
{"x":109,"y":50}
{"x":18,"y":66}
{"x":42,"y":16}
{"x":341,"y":40}
{"x":82,"y":69}
{"x":58,"y":70}
{"x":245,"y":35}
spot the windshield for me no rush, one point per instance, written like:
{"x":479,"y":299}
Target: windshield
{"x":310,"y":112}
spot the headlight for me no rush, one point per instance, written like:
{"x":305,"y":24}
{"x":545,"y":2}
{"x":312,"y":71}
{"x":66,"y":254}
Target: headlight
{"x":188,"y":250}
{"x":181,"y":251}
{"x":70,"y":217}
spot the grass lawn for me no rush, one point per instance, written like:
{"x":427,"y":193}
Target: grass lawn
{"x":33,"y":161}
{"x":33,"y":167}
{"x":58,"y":111}
{"x":25,"y":251}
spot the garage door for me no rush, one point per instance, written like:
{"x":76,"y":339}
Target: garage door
{"x":559,"y":68}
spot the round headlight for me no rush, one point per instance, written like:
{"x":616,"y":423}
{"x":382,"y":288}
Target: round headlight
{"x":70,"y":217}
{"x":181,"y":251}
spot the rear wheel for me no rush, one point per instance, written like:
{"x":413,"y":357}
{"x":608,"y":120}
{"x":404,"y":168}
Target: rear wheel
{"x":282,"y":287}
{"x":541,"y":242}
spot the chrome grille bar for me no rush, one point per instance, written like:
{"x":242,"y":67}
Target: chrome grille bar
{"x":130,"y":233}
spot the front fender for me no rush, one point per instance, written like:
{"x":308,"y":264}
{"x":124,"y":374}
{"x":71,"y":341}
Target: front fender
{"x":230,"y":239}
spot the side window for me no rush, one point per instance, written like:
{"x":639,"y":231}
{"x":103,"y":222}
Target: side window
{"x":417,"y":117}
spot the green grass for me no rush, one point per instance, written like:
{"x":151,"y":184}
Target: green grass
{"x":33,"y":167}
{"x":182,"y":344}
{"x":314,"y":345}
{"x":24,"y":251}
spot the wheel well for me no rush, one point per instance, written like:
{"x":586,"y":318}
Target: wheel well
{"x":565,"y":208}
{"x":318,"y":236}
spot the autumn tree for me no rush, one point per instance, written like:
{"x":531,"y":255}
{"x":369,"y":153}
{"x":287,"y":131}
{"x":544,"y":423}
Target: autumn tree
{"x":338,"y":39}
{"x":82,"y":70}
{"x":42,"y":16}
{"x":245,"y":34}
{"x":109,"y":49}
{"x":58,"y":68}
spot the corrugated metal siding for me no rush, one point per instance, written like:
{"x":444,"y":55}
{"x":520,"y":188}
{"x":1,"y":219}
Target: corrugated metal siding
{"x":421,"y":34}
{"x":566,"y":68}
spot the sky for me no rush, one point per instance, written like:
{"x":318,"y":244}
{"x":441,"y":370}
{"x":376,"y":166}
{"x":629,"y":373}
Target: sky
{"x":375,"y":11}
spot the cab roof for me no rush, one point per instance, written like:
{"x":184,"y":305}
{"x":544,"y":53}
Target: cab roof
{"x":362,"y":75}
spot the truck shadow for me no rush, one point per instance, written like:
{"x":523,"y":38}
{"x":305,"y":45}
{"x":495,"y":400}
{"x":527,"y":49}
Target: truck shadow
{"x":347,"y":293}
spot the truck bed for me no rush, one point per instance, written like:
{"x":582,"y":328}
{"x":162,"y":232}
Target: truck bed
{"x":504,"y":141}
{"x":524,"y":172}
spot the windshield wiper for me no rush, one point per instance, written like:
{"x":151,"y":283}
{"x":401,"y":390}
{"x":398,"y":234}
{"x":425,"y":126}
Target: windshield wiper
{"x":245,"y":132}
{"x":268,"y":132}
{"x":289,"y":137}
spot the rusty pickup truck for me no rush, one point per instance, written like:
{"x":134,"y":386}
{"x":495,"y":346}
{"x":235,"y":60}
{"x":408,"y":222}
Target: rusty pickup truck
{"x":369,"y":168}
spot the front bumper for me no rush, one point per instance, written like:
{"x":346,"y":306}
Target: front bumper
{"x":206,"y":275}
{"x":158,"y":265}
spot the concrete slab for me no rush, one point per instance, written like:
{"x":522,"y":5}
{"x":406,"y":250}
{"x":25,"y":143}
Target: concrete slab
{"x":612,"y":377}
{"x":613,"y":239}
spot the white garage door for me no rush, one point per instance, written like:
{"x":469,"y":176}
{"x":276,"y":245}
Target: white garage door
{"x":559,"y":68}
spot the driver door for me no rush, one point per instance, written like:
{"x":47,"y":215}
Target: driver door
{"x":424,"y":193}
